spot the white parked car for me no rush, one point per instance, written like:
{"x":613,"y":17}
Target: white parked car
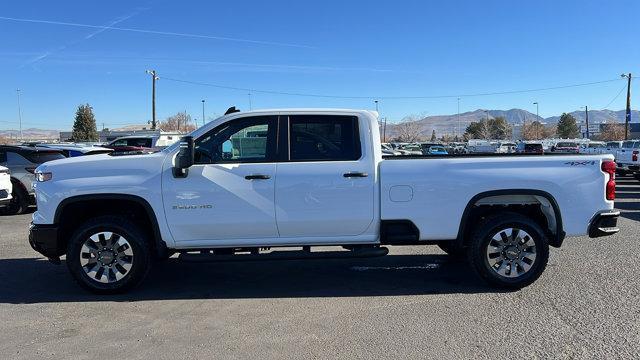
{"x":627,"y":157}
{"x":5,"y":186}
{"x":258,"y":183}
{"x":593,"y":148}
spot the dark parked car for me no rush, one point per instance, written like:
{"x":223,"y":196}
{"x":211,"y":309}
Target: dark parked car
{"x":22,"y":161}
{"x":533,"y":148}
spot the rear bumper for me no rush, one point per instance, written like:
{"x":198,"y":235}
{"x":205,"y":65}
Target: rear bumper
{"x":44,"y":239}
{"x":604,"y":224}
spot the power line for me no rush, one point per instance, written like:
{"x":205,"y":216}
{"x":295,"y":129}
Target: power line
{"x":274,"y":92}
{"x":614,"y":99}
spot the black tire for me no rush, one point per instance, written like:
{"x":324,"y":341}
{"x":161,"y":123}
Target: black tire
{"x":452,"y":250}
{"x":139,"y":245}
{"x":482,"y":237}
{"x":19,"y":203}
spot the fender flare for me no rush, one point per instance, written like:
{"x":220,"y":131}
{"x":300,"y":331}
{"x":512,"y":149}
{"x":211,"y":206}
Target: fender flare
{"x":159,"y":245}
{"x":555,"y":241}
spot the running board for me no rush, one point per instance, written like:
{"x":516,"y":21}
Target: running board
{"x":284,"y":255}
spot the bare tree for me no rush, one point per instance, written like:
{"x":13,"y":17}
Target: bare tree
{"x":409,"y":129}
{"x":612,"y":131}
{"x":178,"y":122}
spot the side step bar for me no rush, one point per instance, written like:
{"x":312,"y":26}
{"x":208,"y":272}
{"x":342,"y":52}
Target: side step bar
{"x":306,"y":253}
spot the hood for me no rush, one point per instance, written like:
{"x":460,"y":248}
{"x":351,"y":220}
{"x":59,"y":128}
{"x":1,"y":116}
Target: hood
{"x":103,"y":165}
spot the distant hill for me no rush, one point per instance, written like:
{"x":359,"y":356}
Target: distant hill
{"x":31,"y":133}
{"x":600,"y":116}
{"x":448,"y":124}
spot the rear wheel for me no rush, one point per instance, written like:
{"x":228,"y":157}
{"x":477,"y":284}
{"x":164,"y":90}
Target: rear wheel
{"x":509,"y":250}
{"x":108,"y":255}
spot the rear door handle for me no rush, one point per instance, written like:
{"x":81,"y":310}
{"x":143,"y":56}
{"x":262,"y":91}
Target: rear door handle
{"x":355,"y":174}
{"x":257,"y":177}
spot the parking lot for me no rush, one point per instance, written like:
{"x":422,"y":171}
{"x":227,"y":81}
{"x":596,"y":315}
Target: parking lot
{"x":414,"y":303}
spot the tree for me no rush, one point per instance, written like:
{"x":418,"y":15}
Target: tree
{"x":478,"y":130}
{"x":535,"y":131}
{"x":433,"y":135}
{"x":499,"y":128}
{"x":178,"y":122}
{"x":612,"y":132}
{"x":408,"y":130}
{"x":84,"y":126}
{"x":568,"y":127}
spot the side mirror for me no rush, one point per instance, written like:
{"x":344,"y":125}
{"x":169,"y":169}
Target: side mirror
{"x":184,"y":158}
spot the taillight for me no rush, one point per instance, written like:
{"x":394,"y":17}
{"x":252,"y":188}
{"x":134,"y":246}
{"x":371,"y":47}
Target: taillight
{"x":609,"y":167}
{"x":634,"y":156}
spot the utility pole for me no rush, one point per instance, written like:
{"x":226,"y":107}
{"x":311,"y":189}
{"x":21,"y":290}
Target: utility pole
{"x":19,"y":114}
{"x":524,"y":122}
{"x":458,"y":129}
{"x":202,"y":112}
{"x":627,"y":118}
{"x":586,"y":116}
{"x":384,"y":130}
{"x":154,"y":77}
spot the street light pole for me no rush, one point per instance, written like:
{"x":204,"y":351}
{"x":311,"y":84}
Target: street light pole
{"x":202,"y":112}
{"x":19,"y":114}
{"x":376,"y":101}
{"x":250,"y":105}
{"x":627,"y":118}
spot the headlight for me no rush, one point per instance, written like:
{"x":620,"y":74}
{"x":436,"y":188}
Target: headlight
{"x":43,"y":176}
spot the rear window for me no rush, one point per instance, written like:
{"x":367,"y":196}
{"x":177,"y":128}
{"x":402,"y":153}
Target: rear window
{"x":43,"y":156}
{"x":324,"y":138}
{"x":630,"y":144}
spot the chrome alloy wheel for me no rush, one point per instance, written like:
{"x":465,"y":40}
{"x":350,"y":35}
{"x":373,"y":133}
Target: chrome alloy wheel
{"x":106,"y":257}
{"x":511,"y":252}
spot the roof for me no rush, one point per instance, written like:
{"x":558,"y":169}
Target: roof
{"x":23,"y":148}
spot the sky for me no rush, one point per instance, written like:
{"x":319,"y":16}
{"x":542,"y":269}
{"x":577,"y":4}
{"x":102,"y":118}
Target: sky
{"x":415,"y":57}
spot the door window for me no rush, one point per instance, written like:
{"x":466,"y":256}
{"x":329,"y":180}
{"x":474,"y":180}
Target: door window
{"x":247,"y":140}
{"x":323,"y":138}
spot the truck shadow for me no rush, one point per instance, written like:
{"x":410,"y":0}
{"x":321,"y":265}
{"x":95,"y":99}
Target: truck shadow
{"x":33,"y":280}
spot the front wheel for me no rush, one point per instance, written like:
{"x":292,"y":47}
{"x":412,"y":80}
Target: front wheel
{"x":108,"y":255}
{"x":19,"y":203}
{"x":509,"y":250}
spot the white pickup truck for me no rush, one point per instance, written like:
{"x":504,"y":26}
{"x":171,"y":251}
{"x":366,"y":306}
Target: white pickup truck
{"x":257,"y":184}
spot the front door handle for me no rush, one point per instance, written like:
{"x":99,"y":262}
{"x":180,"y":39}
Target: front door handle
{"x":257,"y":177}
{"x":355,"y":174}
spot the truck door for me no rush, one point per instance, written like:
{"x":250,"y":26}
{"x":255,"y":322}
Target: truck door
{"x":229,"y":191}
{"x":326,"y":180}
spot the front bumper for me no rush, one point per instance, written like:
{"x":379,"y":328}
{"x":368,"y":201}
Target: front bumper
{"x":44,"y":239}
{"x":604,"y":224}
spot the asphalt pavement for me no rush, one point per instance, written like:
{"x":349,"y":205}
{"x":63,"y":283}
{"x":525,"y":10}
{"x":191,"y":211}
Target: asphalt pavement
{"x":413,"y":303}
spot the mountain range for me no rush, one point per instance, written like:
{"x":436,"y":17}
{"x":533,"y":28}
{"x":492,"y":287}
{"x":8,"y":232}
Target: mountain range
{"x":449,"y":124}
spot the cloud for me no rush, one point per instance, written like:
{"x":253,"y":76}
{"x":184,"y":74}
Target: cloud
{"x":64,"y":47}
{"x":155,"y":32}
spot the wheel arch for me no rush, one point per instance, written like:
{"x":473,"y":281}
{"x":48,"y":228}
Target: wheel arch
{"x":557,"y":236}
{"x":158,"y":245}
